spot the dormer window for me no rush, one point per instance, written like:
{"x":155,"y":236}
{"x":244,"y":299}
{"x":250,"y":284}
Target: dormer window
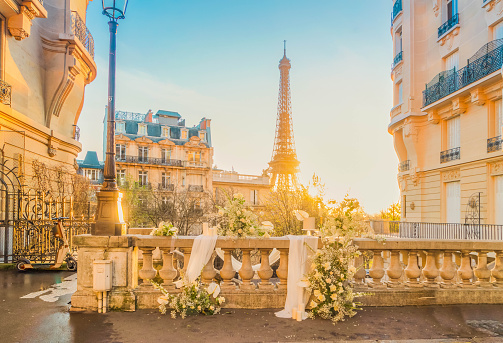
{"x":183,"y":134}
{"x":202,"y":135}
{"x":120,"y":127}
{"x":165,"y":131}
{"x":142,"y":129}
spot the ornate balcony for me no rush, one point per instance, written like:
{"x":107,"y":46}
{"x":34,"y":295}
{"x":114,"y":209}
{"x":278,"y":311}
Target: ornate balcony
{"x":5,"y":93}
{"x":149,"y":160}
{"x":398,"y":58}
{"x":194,"y":164}
{"x":494,"y":144}
{"x":448,"y":25}
{"x":195,"y":188}
{"x":80,"y":30}
{"x":450,"y":155}
{"x":404,"y":166}
{"x":397,"y":8}
{"x":486,"y":61}
{"x":166,"y":187}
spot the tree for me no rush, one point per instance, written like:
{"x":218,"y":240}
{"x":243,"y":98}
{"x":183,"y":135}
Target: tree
{"x":393,"y":212}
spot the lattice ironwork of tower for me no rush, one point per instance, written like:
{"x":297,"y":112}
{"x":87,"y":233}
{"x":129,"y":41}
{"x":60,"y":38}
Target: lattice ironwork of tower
{"x":284,"y":165}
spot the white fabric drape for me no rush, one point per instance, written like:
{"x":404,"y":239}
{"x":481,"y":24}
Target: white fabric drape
{"x":298,"y":258}
{"x":202,"y":249}
{"x":236,"y":265}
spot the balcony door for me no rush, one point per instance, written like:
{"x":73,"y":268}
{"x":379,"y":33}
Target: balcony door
{"x":498,"y":200}
{"x":453,"y":201}
{"x":453,"y":136}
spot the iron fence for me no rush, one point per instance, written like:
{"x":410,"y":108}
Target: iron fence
{"x":80,"y":30}
{"x":149,"y":160}
{"x":166,"y":187}
{"x":398,"y":58}
{"x":437,"y":230}
{"x":487,"y":60}
{"x":450,"y":155}
{"x":494,"y":144}
{"x":5,"y":93}
{"x":196,"y":188}
{"x":448,"y":25}
{"x":397,"y":8}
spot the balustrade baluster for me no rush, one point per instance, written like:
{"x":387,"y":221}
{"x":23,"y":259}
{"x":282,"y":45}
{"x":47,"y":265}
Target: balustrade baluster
{"x":147,"y":271}
{"x":209,"y":272}
{"x":360,"y":272}
{"x":430,"y":270}
{"x":377,"y":270}
{"x":282,"y":270}
{"x":395,"y":269}
{"x":265,"y":272}
{"x":447,"y":271}
{"x":167,"y":272}
{"x":246,"y":272}
{"x":465,"y":271}
{"x":482,"y":272}
{"x":497,"y":272}
{"x":227,"y":272}
{"x":186,"y":259}
{"x":412,"y":271}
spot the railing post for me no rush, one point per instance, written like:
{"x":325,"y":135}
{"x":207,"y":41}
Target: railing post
{"x":227,"y":272}
{"x":186,"y":258}
{"x":412,"y":271}
{"x":360,"y":270}
{"x":246,"y":271}
{"x":447,"y":271}
{"x":282,"y":270}
{"x":394,"y":270}
{"x":208,"y":273}
{"x":167,"y":272}
{"x":465,"y":271}
{"x":482,"y":272}
{"x":430,"y":270}
{"x":147,"y":271}
{"x":265,"y":272}
{"x":377,"y":270}
{"x":497,"y":272}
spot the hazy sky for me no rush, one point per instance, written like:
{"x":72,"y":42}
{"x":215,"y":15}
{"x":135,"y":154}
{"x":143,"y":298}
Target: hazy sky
{"x":219,"y":59}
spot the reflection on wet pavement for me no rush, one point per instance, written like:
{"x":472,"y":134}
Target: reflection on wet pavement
{"x":68,"y":286}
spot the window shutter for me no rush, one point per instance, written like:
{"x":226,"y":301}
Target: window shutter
{"x":453,"y":136}
{"x":453,"y":194}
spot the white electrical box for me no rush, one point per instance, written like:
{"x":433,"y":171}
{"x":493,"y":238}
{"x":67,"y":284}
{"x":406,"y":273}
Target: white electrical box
{"x":102,"y":275}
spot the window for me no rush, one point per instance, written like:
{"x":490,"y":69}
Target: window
{"x":120,"y":152}
{"x":452,"y":8}
{"x":165,"y":131}
{"x":142,"y":178}
{"x":165,"y":155}
{"x":498,"y":117}
{"x":254,"y":197}
{"x":194,"y":156}
{"x":398,"y":41}
{"x":121,"y":176}
{"x":143,"y":154}
{"x":202,"y":136}
{"x":120,"y":126}
{"x":164,"y":201}
{"x":142,"y":129}
{"x":398,"y":93}
{"x":498,"y":203}
{"x":165,"y":180}
{"x":453,"y":203}
{"x":453,"y":137}
{"x":498,"y":31}
{"x":452,"y":62}
{"x":92,"y":174}
{"x":183,"y":134}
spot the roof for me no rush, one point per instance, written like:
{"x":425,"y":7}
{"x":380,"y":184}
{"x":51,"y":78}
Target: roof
{"x":90,"y":161}
{"x":168,"y":114}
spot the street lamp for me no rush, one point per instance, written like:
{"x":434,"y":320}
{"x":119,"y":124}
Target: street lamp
{"x":109,"y":221}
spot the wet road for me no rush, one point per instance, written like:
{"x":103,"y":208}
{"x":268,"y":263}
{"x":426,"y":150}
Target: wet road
{"x":34,"y":308}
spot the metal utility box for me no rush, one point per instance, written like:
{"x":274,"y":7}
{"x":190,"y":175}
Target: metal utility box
{"x":102,"y":275}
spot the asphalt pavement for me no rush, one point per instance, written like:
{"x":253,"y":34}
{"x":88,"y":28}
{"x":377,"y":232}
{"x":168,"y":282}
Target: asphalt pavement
{"x":35,"y":308}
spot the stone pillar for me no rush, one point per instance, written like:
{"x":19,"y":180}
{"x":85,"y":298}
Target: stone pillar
{"x":447,"y":271}
{"x":482,"y":272}
{"x":227,"y":272}
{"x":377,"y":270}
{"x":282,"y":270}
{"x":430,"y":270}
{"x":186,"y":259}
{"x":412,"y":271}
{"x":246,"y":272}
{"x":209,"y":272}
{"x":360,"y":271}
{"x":395,"y":269}
{"x":497,"y":272}
{"x":265,"y":272}
{"x":465,"y":271}
{"x":167,"y":272}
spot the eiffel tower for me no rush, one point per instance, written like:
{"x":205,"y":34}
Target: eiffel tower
{"x":284,"y":165}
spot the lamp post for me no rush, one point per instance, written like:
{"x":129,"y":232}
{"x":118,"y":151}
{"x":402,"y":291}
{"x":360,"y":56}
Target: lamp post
{"x":109,"y":221}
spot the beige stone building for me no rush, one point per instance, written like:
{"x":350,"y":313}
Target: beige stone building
{"x":447,"y":114}
{"x":254,"y":188}
{"x":46,"y":60}
{"x":159,"y":151}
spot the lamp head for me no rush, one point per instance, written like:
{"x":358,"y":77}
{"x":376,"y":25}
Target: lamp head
{"x":115,"y":9}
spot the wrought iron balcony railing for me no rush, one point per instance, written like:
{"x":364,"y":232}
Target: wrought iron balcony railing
{"x":5,"y":93}
{"x":494,"y":144}
{"x":398,"y":58}
{"x":397,"y":8}
{"x":404,"y":166}
{"x":486,"y":61}
{"x":195,"y":188}
{"x":80,"y":30}
{"x":149,"y":160}
{"x":450,"y":155}
{"x":76,"y":133}
{"x":448,"y":25}
{"x":166,"y":187}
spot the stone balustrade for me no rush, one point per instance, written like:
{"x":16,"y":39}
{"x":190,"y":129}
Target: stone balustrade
{"x":398,"y":271}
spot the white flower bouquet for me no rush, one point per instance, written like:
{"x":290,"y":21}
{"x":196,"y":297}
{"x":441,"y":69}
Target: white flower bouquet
{"x":164,"y":230}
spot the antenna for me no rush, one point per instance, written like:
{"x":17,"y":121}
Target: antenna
{"x":284,"y":48}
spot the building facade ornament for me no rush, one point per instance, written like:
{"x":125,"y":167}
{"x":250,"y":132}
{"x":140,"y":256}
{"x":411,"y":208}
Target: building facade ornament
{"x":497,"y":168}
{"x":458,"y":107}
{"x":410,"y":130}
{"x":478,"y":97}
{"x":451,"y":175}
{"x":433,"y":117}
{"x":436,"y":7}
{"x":415,"y":177}
{"x":448,"y":39}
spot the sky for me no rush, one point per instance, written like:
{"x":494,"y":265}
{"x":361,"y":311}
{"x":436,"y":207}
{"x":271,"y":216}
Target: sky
{"x":219,"y":59}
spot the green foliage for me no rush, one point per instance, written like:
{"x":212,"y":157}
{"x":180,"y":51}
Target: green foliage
{"x":393,"y":212}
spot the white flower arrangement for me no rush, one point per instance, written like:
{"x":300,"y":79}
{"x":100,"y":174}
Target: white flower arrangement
{"x":164,"y":230}
{"x":193,"y":298}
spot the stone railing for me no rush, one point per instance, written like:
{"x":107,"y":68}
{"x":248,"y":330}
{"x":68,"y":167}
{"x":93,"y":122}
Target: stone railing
{"x":403,"y":271}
